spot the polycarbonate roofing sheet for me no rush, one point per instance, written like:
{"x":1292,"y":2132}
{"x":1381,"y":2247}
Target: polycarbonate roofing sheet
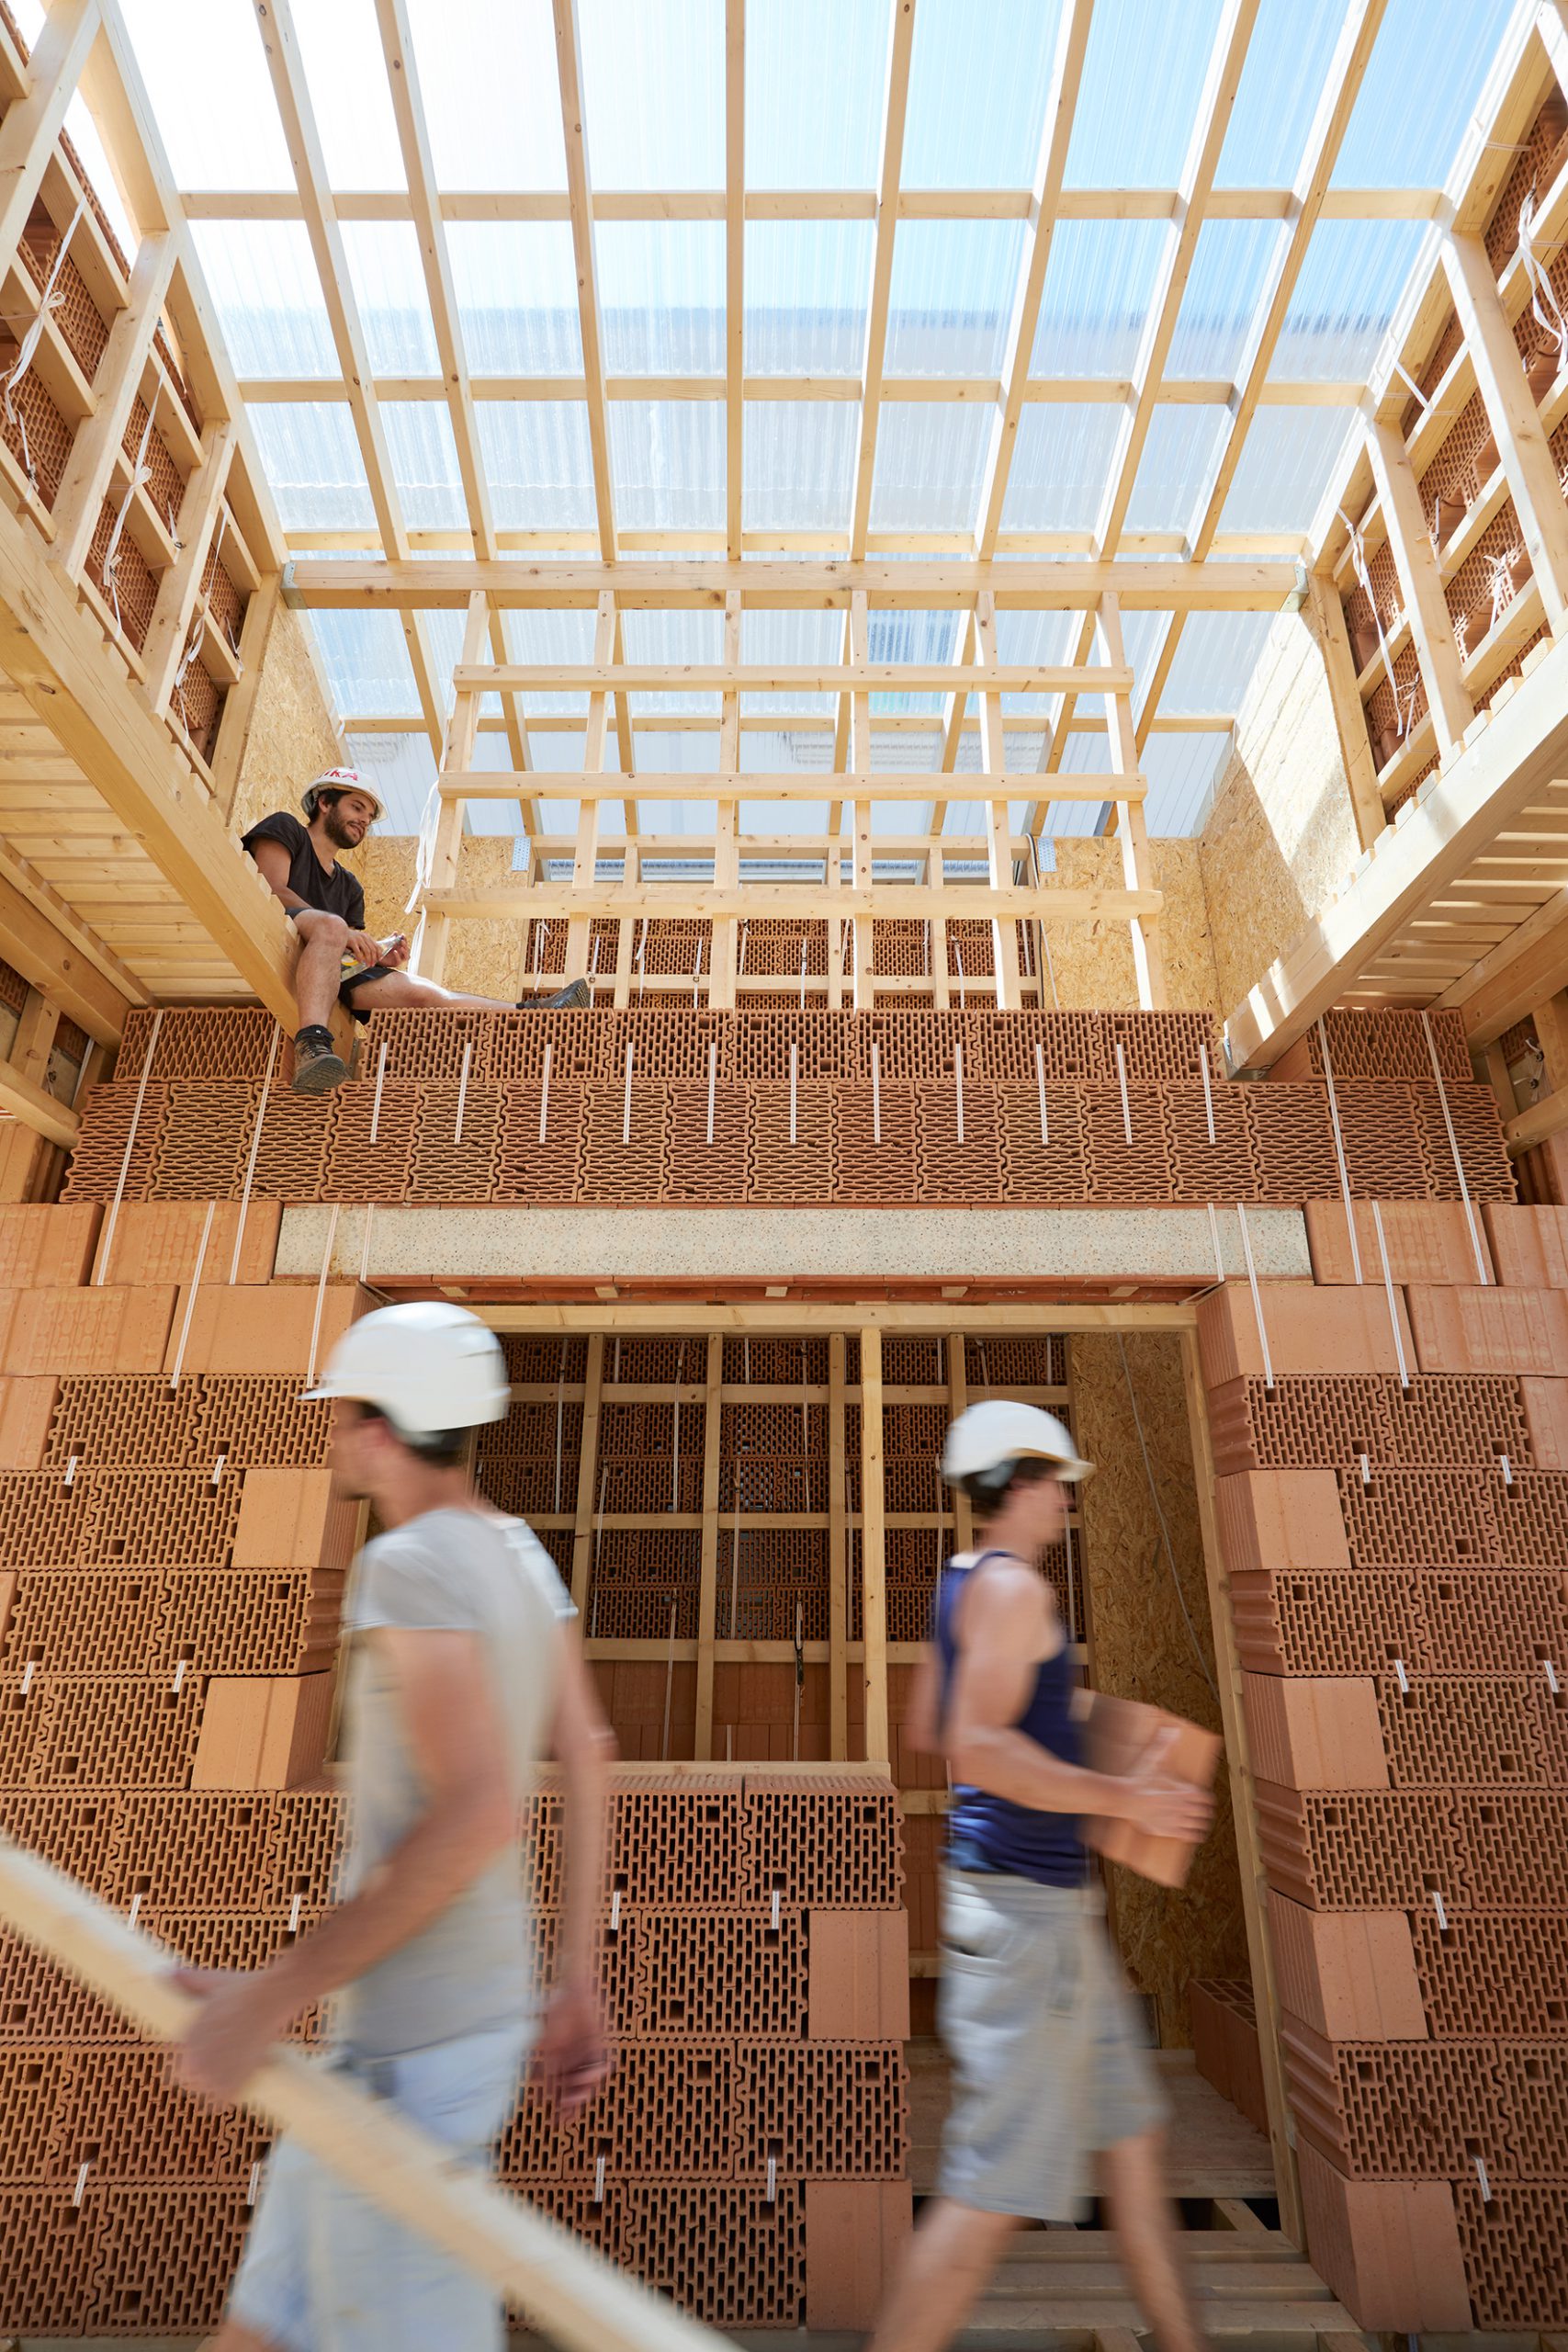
{"x":1142,"y":75}
{"x":953,"y":286}
{"x":516,"y":288}
{"x":978,"y":80}
{"x":675,"y":636}
{"x":1182,"y":772}
{"x":313,"y":464}
{"x":386,"y":274}
{"x":401,"y":768}
{"x":1215,"y":656}
{"x":367,"y":663}
{"x":1289,"y":459}
{"x":930,"y":460}
{"x":1228,"y":279}
{"x":1099,"y":282}
{"x":339,"y":47}
{"x":1348,"y":289}
{"x":807,"y":126}
{"x":661,"y":297}
{"x":271,"y":310}
{"x":807,"y":292}
{"x":195,"y":56}
{"x":667,"y":464}
{"x":798,"y":464}
{"x":422,"y":455}
{"x":653,"y":92}
{"x":538,"y":463}
{"x":487,"y":72}
{"x":1061,"y":464}
{"x":1176,"y":469}
{"x":1429,"y":64}
{"x":1281,"y":86}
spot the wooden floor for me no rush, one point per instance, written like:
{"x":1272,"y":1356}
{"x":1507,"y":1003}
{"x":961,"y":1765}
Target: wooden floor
{"x":1214,"y":2151}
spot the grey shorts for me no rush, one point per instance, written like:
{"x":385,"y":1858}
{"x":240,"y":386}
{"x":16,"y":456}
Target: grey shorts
{"x":1048,"y":2062}
{"x":325,"y":2272}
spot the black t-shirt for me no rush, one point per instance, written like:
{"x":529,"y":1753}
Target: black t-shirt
{"x":336,"y":893}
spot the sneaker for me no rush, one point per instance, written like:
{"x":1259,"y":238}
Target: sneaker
{"x":318,"y":1067}
{"x":576,"y":997}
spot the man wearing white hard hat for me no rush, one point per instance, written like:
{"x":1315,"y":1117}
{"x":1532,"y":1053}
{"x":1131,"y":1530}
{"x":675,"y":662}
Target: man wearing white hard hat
{"x":1049,"y":2072}
{"x":465,"y":1671}
{"x":339,"y":959}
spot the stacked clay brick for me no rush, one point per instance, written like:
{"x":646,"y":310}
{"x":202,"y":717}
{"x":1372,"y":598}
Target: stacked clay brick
{"x":1393,"y":1517}
{"x":690,"y":1107}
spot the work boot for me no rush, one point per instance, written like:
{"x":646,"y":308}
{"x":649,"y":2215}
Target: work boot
{"x":318,"y":1065}
{"x":576,"y":997}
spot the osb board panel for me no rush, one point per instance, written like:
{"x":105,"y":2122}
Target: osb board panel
{"x":292,"y":736}
{"x":482,"y":959}
{"x":1143,"y":1648}
{"x":1281,"y":834}
{"x":1092,"y":962}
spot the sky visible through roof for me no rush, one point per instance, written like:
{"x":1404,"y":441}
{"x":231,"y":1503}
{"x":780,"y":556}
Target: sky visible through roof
{"x":816,"y":72}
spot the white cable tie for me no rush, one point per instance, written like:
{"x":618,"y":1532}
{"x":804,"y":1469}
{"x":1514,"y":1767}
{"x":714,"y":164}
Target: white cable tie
{"x":626,"y":1097}
{"x":1393,"y":1301}
{"x":1366,"y":1469}
{"x":1545,"y":308}
{"x":794,"y":1087}
{"x":70,"y":1470}
{"x":1257,"y":1296}
{"x":1208,"y":1094}
{"x":615,"y":1912}
{"x":545,"y":1092}
{"x":1483,"y":1271}
{"x":254,"y":2190}
{"x":1339,"y":1150}
{"x":1126,"y":1106}
{"x":1040,"y":1090}
{"x":777,"y":1899}
{"x":135,"y":1907}
{"x":463,"y":1089}
{"x":80,"y":2190}
{"x":958,"y":1078}
{"x":875,"y":1092}
{"x":1507,"y":1470}
{"x":322,"y":1293}
{"x":380,"y":1081}
{"x":179,"y":1676}
{"x":1404,"y":1678}
{"x":771,"y":2197}
{"x":1437,"y":1907}
{"x":1481,"y":2175}
{"x":294,"y":1910}
{"x":713,"y":1076}
{"x":1552,"y":1682}
{"x":599,"y":2181}
{"x":28,"y":1673}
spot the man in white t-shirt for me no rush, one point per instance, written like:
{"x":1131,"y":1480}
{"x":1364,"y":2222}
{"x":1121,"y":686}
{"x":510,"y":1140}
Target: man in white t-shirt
{"x":466,"y":1671}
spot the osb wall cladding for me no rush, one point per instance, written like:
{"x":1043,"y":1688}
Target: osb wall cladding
{"x":1283,"y":832}
{"x":1092,"y":962}
{"x":482,"y":959}
{"x":293,"y":735}
{"x":1143,"y":1650}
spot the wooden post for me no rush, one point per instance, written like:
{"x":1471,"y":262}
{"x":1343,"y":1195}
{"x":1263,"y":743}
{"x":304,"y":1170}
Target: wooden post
{"x":587,"y":1477}
{"x":228,"y":760}
{"x":942,"y":984}
{"x":873,"y":1548}
{"x":89,"y":470}
{"x":578,"y":2297}
{"x":707,"y":1594}
{"x":1522,"y":445}
{"x":860,"y":763}
{"x":1254,"y":1890}
{"x":957,"y":1399}
{"x":722,"y":944}
{"x":1350,"y":710}
{"x":585,"y":860}
{"x":457,"y":752}
{"x":998,"y":831}
{"x":179,"y":591}
{"x":1138,"y":872}
{"x":32,"y":124}
{"x":1420,"y":584}
{"x":837,"y":1612}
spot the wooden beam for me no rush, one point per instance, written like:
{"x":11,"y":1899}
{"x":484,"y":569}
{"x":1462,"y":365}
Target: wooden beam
{"x":1254,"y":1892}
{"x":56,"y":656}
{"x":587,"y":1473}
{"x":735,"y":785}
{"x":33,"y":124}
{"x":26,"y":1101}
{"x":1504,"y":769}
{"x":56,"y":953}
{"x":1529,"y":966}
{"x":734,"y":270}
{"x":585,"y":855}
{"x":908,"y":901}
{"x":98,"y":446}
{"x":579,"y":203}
{"x":894,"y":106}
{"x":707,"y":1572}
{"x":1420,"y":584}
{"x":1137,"y":871}
{"x":1522,"y":445}
{"x":797,"y":1315}
{"x":803,"y":678}
{"x":873,"y":1548}
{"x":240,"y":703}
{"x":722,"y":946}
{"x":457,"y":747}
{"x":1350,"y":710}
{"x":180,"y":588}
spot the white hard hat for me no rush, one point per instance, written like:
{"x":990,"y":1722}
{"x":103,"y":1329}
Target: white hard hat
{"x":338,"y":780}
{"x":991,"y":1435}
{"x":428,"y":1365}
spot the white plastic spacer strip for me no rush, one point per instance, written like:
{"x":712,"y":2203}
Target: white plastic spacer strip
{"x":190,"y":1294}
{"x":615,"y":1912}
{"x":256,"y":1149}
{"x":599,"y":2180}
{"x":28,"y":1673}
{"x":135,"y":1907}
{"x":1551,"y":1672}
{"x":1207,"y":1091}
{"x":70,"y":1470}
{"x":958,"y":1075}
{"x":771,"y":2197}
{"x":1508,"y":1468}
{"x":626,"y":1100}
{"x":1126,"y":1106}
{"x":255,"y":2188}
{"x":1257,"y":1294}
{"x":875,"y":1092}
{"x":1366,"y":1470}
{"x":218,"y":1469}
{"x":1040,"y":1090}
{"x":1439,"y":1907}
{"x":294,"y":1910}
{"x":1404,"y":1678}
{"x":793,"y":1087}
{"x":545,"y":1093}
{"x":1483,"y":1271}
{"x":322,"y":1293}
{"x":463,"y":1089}
{"x":1339,"y":1152}
{"x":1480,"y":2177}
{"x":1392,"y":1302}
{"x":380,"y":1081}
{"x":113,"y":1219}
{"x":179,"y":1676}
{"x":80,"y":2189}
{"x":713,"y":1079}
{"x":776,"y":1901}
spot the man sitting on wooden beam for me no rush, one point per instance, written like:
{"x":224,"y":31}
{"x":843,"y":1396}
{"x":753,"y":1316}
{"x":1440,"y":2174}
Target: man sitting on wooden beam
{"x":338,"y":957}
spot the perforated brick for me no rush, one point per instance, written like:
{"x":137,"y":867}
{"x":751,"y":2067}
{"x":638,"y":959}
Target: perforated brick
{"x":1516,"y":2253}
{"x":72,"y":1830}
{"x":1001,"y":1360}
{"x":678,"y":1845}
{"x":1329,"y":1621}
{"x":529,"y":1169}
{"x":43,"y":2002}
{"x":98,"y":1731}
{"x":1043,"y":1165}
{"x":205,"y":1141}
{"x":804,"y":1169}
{"x":1362,"y":1850}
{"x":827,"y":1046}
{"x":701,"y":1170}
{"x":1448,"y":1733}
{"x":294,"y":1147}
{"x":456,"y":1142}
{"x":1532,"y":1518}
{"x":247,"y":1620}
{"x":723,"y":2253}
{"x":1119,"y":1169}
{"x":361,"y":1169}
{"x":256,"y":1420}
{"x":1380,"y":1129}
{"x":822,"y":2110}
{"x":834,"y":1845}
{"x":954,"y":1167}
{"x":667,"y":2111}
{"x":1295,"y":1142}
{"x":714,"y":1974}
{"x":169,"y":2254}
{"x":118,"y":2111}
{"x":160,"y":1518}
{"x":877,"y":1140}
{"x":197,"y":1042}
{"x":1478,"y":1131}
{"x":1223,"y":1167}
{"x":49,"y":2254}
{"x":34,"y":2084}
{"x":124,"y":1420}
{"x":1513,"y":1843}
{"x":1161,"y":1045}
{"x":1398,"y":2110}
{"x":629,"y":1170}
{"x":1422,"y":1517}
{"x":42,"y":1519}
{"x":779,"y":1363}
{"x":911,"y":1045}
{"x":62,"y":1622}
{"x":1503,"y":1973}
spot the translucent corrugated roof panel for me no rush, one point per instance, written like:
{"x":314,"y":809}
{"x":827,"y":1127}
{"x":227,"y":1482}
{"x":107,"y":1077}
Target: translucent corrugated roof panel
{"x":951,"y":296}
{"x":806,"y":127}
{"x":930,"y":460}
{"x":1288,"y":60}
{"x":1182,"y":772}
{"x":538,"y":635}
{"x":1176,"y":469}
{"x":1099,"y":282}
{"x":516,"y":287}
{"x":1349,"y":288}
{"x":401,"y":768}
{"x":799,"y":458}
{"x":1143,"y":74}
{"x":1428,"y":69}
{"x":894,"y":635}
{"x":193,"y":56}
{"x":653,"y":92}
{"x":538,"y":463}
{"x":366,"y":662}
{"x":1219,"y":303}
{"x":339,"y":47}
{"x":387,"y":277}
{"x":313,"y":464}
{"x":424,"y":458}
{"x":261,"y":275}
{"x":1215,"y":657}
{"x":1060,"y":462}
{"x":807,"y":290}
{"x":1289,"y":458}
{"x":661,"y":297}
{"x":978,"y":80}
{"x":487,"y":71}
{"x":675,"y":636}
{"x":667,"y":462}
{"x":792,"y":640}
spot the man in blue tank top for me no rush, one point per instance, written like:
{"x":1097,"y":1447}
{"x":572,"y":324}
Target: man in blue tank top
{"x":1049,"y":2069}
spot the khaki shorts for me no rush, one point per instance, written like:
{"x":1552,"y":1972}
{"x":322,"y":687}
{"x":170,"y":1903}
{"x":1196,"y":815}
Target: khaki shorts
{"x":1049,"y":2064}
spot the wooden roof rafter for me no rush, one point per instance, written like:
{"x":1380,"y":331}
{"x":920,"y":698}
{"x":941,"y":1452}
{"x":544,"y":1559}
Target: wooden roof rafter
{"x":580,"y":200}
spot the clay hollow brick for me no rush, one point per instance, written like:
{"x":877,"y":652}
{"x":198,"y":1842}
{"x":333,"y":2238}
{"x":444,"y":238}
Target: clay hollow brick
{"x":46,"y":1246}
{"x":1281,"y":1519}
{"x":1427,"y":1241}
{"x":1315,"y":1733}
{"x":1350,"y":1974}
{"x":1529,"y":1246}
{"x":1463,"y":1328}
{"x":1310,"y":1329}
{"x":1390,"y":2250}
{"x":264,"y":1329}
{"x":161,"y":1241}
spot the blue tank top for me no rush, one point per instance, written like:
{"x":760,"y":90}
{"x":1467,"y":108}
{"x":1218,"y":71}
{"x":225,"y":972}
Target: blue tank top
{"x":991,"y":1833}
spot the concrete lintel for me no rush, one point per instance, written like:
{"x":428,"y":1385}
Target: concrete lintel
{"x":628,"y":1245}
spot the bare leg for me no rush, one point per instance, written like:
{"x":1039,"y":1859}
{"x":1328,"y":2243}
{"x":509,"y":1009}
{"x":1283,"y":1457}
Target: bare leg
{"x":1134,"y":2172}
{"x":951,"y":2258}
{"x":316,"y":975}
{"x":407,"y":988}
{"x":234,"y":2337}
